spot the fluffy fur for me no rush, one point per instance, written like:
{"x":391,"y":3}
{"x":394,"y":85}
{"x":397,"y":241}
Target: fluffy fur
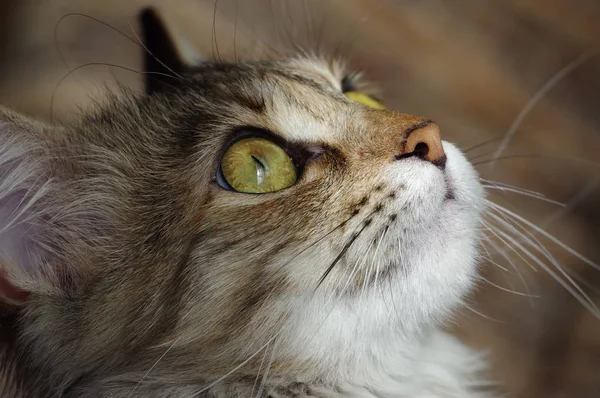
{"x":146,"y":278}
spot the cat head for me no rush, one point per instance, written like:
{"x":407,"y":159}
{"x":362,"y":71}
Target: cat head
{"x":168,"y":239}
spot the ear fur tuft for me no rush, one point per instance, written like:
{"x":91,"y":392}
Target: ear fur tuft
{"x":37,"y":214}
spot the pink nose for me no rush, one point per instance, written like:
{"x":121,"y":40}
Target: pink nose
{"x":425,"y":142}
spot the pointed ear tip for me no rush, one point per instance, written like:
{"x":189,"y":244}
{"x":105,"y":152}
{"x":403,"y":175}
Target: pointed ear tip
{"x":147,"y":13}
{"x":162,"y":59}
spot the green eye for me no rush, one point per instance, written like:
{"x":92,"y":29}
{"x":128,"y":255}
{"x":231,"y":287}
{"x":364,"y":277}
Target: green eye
{"x":364,"y":99}
{"x":257,"y":165}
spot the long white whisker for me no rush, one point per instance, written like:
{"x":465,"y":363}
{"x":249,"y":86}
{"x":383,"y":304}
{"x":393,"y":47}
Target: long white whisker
{"x":262,"y":361}
{"x":507,"y":290}
{"x":267,"y":369}
{"x":503,"y":184}
{"x":512,"y":264}
{"x":572,"y":288}
{"x":489,"y":318}
{"x":488,"y":258}
{"x":585,"y":192}
{"x":545,"y":234}
{"x":533,"y":101}
{"x":518,"y":191}
{"x":521,"y":229}
{"x":509,"y":246}
{"x":576,"y":276}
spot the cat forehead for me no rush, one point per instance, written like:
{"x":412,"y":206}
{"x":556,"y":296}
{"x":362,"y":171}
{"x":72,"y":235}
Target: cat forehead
{"x":326,"y":72}
{"x":299,"y":99}
{"x":318,"y":73}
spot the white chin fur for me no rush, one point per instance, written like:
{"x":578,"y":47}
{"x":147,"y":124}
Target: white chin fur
{"x":388,"y":325}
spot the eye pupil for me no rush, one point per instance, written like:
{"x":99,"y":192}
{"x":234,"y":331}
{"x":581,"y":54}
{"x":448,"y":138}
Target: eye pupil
{"x":258,"y":162}
{"x":260,"y":170}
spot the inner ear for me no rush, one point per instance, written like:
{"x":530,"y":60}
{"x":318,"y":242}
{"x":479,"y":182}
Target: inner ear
{"x":46,"y":237}
{"x":10,"y":294}
{"x":162,"y":61}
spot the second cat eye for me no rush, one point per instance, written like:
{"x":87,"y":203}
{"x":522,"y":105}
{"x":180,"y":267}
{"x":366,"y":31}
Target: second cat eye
{"x":364,"y":99}
{"x":256,"y":165}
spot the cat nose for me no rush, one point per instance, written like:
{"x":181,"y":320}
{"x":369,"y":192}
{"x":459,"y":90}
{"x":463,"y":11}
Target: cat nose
{"x":424,"y":142}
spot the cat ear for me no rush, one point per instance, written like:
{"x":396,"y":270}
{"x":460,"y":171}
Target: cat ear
{"x":38,"y":217}
{"x":169,"y":54}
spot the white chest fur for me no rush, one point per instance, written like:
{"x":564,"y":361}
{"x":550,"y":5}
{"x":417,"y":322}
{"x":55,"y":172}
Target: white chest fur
{"x":442,"y":367}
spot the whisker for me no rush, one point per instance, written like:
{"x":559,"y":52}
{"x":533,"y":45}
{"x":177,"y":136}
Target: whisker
{"x":320,"y":31}
{"x":503,"y":184}
{"x":540,"y":247}
{"x":507,"y":290}
{"x":136,"y":41}
{"x":545,"y":234}
{"x":258,"y":373}
{"x":576,"y":276}
{"x":506,"y":189}
{"x":340,"y":255}
{"x":509,"y":280}
{"x":214,"y":40}
{"x":481,"y":144}
{"x":53,"y":97}
{"x":354,"y":30}
{"x":572,"y":288}
{"x":308,"y":26}
{"x":488,"y":258}
{"x":512,"y":264}
{"x":585,"y":192}
{"x":377,"y":271}
{"x":316,"y":242}
{"x":521,"y":229}
{"x":235,"y":27}
{"x":368,"y":271}
{"x":489,"y":318}
{"x":381,"y":238}
{"x":533,"y":101}
{"x":355,"y":268}
{"x":141,"y":43}
{"x":583,"y":162}
{"x":508,"y":245}
{"x":266,"y":374}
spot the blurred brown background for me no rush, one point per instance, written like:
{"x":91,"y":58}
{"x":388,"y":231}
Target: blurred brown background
{"x":470,"y":65}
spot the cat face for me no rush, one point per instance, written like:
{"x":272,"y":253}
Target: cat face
{"x":145,"y":249}
{"x":362,"y":247}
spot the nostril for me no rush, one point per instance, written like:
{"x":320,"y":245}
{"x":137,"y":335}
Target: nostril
{"x":423,"y":141}
{"x":421,"y":150}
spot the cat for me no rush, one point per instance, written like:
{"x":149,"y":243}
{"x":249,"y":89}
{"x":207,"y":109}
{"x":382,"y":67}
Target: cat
{"x":254,"y":229}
